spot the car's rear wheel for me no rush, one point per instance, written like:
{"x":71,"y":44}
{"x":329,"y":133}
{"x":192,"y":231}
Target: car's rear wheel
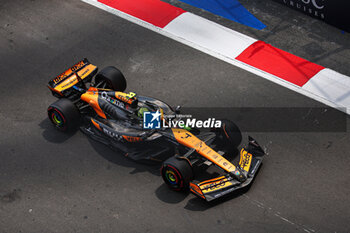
{"x":177,"y":173}
{"x":64,"y":115}
{"x":229,"y":133}
{"x":111,"y":78}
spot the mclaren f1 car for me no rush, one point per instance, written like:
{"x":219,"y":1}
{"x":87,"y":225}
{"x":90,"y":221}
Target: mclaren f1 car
{"x":96,"y":102}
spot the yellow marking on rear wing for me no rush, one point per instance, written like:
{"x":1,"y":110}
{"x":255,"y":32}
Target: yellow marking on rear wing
{"x":73,"y":79}
{"x":68,"y":72}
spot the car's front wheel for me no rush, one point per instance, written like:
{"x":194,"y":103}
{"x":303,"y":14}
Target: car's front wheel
{"x":229,"y":133}
{"x":177,"y":173}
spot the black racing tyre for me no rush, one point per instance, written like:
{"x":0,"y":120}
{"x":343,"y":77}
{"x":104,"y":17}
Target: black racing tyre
{"x":177,"y":173}
{"x":230,"y":133}
{"x":113,"y":78}
{"x":64,"y":115}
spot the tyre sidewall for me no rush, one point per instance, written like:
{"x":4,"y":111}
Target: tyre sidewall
{"x":113,"y":77}
{"x":182,"y":171}
{"x":230,"y":133}
{"x":68,"y":112}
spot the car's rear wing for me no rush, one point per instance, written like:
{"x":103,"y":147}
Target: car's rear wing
{"x":83,"y":70}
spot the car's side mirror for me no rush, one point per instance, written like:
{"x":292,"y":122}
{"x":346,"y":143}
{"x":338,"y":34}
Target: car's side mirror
{"x":177,"y":109}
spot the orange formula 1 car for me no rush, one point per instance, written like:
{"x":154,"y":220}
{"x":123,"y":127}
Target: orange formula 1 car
{"x":97,"y":104}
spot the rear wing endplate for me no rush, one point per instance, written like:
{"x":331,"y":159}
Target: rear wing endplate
{"x":80,"y":71}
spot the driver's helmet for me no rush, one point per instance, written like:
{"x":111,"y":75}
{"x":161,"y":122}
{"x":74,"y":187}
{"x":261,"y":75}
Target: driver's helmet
{"x":141,"y":111}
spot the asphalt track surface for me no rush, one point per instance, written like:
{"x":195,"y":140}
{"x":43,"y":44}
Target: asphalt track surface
{"x":51,"y":182}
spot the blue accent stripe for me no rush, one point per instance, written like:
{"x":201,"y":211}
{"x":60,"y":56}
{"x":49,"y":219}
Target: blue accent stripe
{"x":230,"y":9}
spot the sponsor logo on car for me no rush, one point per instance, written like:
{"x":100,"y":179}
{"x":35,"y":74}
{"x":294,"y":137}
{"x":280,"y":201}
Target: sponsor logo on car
{"x":112,"y":134}
{"x":245,"y":160}
{"x":65,"y":74}
{"x":105,"y":96}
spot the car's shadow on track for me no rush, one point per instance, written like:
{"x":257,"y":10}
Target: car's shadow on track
{"x":198,"y":204}
{"x":115,"y":156}
{"x":109,"y":153}
{"x":51,"y":134}
{"x":169,"y":196}
{"x":163,"y":193}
